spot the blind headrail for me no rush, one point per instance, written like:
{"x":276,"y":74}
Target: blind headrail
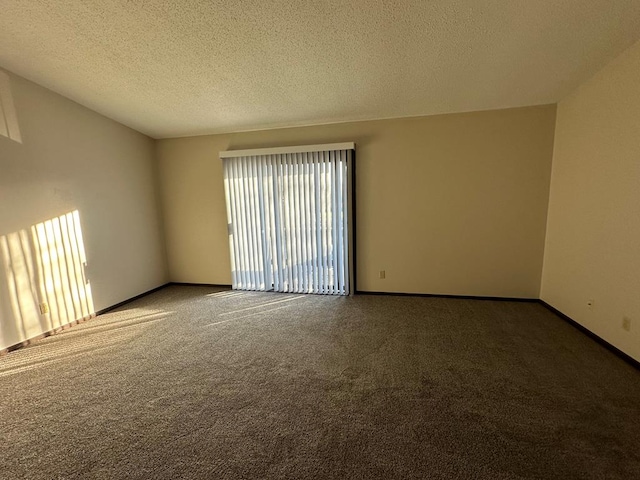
{"x":328,"y":147}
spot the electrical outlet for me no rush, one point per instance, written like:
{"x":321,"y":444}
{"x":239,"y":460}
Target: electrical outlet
{"x":626,"y":323}
{"x":382,"y":274}
{"x":44,"y":308}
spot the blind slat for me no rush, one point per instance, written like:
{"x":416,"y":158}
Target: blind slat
{"x":339,"y":210}
{"x":240,"y":227}
{"x":290,"y":260}
{"x":325,"y":224}
{"x":317,"y":224}
{"x":334,"y":216}
{"x":297,"y":238}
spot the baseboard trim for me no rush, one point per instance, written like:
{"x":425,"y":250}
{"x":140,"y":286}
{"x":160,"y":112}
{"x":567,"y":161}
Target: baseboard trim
{"x":48,"y":333}
{"x":187,"y":284}
{"x":66,"y":326}
{"x":615,"y":350}
{"x":630,"y":360}
{"x":459,"y":297}
{"x":129,"y":300}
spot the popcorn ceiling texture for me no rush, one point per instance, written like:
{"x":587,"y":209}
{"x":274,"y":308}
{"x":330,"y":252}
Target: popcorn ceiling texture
{"x":174,"y":68}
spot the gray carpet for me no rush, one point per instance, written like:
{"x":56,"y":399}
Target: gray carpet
{"x":194,"y":382}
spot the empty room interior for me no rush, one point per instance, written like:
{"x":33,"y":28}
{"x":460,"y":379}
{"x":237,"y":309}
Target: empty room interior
{"x":320,"y":239}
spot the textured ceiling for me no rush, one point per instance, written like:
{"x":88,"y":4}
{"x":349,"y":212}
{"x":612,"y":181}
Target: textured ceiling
{"x":173,"y":68}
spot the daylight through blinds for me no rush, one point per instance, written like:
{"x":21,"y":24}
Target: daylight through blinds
{"x":288,"y":221}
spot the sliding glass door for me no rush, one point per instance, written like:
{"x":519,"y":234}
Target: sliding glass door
{"x":289,"y":218}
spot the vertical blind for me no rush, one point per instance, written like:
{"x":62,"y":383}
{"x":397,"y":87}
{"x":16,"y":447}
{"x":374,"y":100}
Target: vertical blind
{"x":289,"y":218}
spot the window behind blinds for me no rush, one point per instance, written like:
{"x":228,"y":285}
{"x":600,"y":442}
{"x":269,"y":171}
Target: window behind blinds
{"x":289,"y":218}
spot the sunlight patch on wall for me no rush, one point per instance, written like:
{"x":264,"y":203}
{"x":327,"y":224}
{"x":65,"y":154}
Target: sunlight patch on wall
{"x":17,"y":258}
{"x":43,"y":282}
{"x":8,"y":118}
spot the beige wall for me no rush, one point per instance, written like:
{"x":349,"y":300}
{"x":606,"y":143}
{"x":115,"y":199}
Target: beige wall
{"x":450,"y":204}
{"x":593,"y":232}
{"x":67,"y":158}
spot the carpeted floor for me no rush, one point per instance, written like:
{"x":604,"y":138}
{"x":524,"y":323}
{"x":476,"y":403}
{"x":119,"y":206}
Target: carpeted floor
{"x":194,"y":382}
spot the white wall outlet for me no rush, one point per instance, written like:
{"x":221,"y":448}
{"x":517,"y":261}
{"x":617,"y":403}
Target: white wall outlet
{"x":44,"y":308}
{"x":626,"y":323}
{"x":383,"y":274}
